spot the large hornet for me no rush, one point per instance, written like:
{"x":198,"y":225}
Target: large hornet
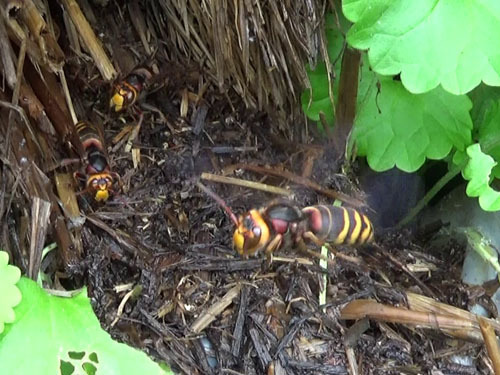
{"x":98,"y":178}
{"x":126,"y":92}
{"x":282,"y":223}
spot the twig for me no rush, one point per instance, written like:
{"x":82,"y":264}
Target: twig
{"x":211,"y":313}
{"x":301,"y":181}
{"x":133,"y":293}
{"x":402,"y":267}
{"x":134,"y":133}
{"x":122,"y":238}
{"x":245,"y":183}
{"x":292,"y":260}
{"x":67,"y":95}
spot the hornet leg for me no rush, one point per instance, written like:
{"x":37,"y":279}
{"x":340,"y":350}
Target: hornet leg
{"x":312,"y":237}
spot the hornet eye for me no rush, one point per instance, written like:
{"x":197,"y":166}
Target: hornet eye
{"x":248,"y":222}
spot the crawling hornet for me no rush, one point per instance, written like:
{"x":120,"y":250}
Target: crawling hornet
{"x":126,"y":92}
{"x":98,"y":178}
{"x":281,"y":222}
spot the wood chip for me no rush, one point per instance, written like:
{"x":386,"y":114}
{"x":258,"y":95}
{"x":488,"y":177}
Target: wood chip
{"x":208,"y":316}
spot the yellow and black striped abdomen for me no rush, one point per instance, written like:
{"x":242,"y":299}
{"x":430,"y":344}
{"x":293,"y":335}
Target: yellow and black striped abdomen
{"x":89,"y":135}
{"x":339,"y":225}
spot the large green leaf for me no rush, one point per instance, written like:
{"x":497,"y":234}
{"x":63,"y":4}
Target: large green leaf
{"x":394,"y":127}
{"x":10,"y":295}
{"x":54,"y":335}
{"x":397,"y":128}
{"x":430,"y":42}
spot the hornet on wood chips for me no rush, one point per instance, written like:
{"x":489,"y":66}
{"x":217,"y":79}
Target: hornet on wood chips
{"x":126,"y":92}
{"x":282,"y":222}
{"x":98,"y":178}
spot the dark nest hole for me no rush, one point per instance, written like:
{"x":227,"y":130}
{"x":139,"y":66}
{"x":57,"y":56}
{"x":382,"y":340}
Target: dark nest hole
{"x":162,"y":238}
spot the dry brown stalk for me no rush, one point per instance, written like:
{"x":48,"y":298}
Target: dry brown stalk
{"x":449,"y":324}
{"x":40,"y":212}
{"x":66,"y":192}
{"x":137,"y":18}
{"x":258,"y":48}
{"x":491,"y":343}
{"x":418,"y":302}
{"x":6,"y":54}
{"x":245,"y":183}
{"x":88,"y":36}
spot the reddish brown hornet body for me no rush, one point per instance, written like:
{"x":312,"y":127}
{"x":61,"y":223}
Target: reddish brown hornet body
{"x":271,"y":227}
{"x":126,"y":92}
{"x":98,"y":178}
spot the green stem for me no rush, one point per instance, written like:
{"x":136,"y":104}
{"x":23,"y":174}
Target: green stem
{"x":486,"y":147}
{"x":431,"y":193}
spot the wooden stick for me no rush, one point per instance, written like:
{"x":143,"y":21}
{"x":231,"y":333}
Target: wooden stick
{"x":88,"y":36}
{"x":299,"y":180}
{"x":245,"y":183}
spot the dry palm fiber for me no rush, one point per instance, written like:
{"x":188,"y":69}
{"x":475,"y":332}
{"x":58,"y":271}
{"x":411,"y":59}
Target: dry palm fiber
{"x":258,"y":48}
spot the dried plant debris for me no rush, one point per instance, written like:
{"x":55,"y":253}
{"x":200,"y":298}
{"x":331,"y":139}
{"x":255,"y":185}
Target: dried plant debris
{"x":203,"y":89}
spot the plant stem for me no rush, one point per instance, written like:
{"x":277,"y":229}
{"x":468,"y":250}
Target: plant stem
{"x":431,"y":193}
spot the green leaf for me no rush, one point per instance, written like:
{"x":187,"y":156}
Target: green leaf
{"x":452,"y":43}
{"x":320,"y":100}
{"x":488,"y":131}
{"x":10,"y":296}
{"x":478,"y":171}
{"x":54,"y":335}
{"x":394,"y":127}
{"x":482,"y":98}
{"x":397,"y":128}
